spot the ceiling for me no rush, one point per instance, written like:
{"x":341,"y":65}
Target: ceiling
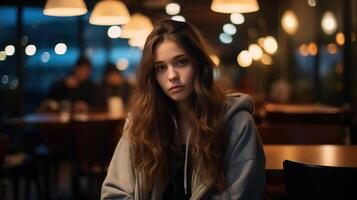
{"x":198,"y":13}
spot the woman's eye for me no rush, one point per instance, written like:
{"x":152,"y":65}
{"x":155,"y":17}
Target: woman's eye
{"x":159,"y":68}
{"x":182,"y":62}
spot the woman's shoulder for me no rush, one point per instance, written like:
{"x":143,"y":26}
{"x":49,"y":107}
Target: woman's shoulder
{"x":235,"y":103}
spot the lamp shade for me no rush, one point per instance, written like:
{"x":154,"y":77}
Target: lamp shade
{"x":109,"y":12}
{"x":137,"y":42}
{"x":138,"y":26}
{"x":234,"y":6}
{"x":65,"y":8}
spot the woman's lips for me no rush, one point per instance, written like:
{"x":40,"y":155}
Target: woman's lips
{"x":176,"y":88}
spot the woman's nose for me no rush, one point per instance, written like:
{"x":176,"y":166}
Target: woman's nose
{"x":172,"y":74}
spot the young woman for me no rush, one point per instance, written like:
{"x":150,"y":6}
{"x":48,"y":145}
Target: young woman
{"x":183,"y":138}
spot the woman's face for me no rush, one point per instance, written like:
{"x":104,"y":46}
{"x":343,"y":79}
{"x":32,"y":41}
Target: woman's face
{"x":174,"y":71}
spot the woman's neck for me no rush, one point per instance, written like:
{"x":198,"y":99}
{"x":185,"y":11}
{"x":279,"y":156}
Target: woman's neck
{"x":184,"y":122}
{"x":183,"y":107}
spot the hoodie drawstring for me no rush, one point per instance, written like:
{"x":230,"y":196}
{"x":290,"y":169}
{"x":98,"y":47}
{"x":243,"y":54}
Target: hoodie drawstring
{"x":186,"y":161}
{"x":186,"y":155}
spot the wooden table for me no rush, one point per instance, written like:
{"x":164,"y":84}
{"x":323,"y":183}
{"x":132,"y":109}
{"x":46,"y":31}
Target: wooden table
{"x":55,"y":118}
{"x":306,"y":113}
{"x":329,"y":155}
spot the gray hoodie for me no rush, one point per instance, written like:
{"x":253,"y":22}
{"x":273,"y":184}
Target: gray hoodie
{"x":245,"y":162}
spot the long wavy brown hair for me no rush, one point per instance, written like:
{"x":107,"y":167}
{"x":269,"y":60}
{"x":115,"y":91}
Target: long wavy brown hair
{"x":152,"y":129}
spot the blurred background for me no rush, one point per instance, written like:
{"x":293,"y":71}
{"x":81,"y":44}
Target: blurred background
{"x":311,"y":56}
{"x":296,"y":58}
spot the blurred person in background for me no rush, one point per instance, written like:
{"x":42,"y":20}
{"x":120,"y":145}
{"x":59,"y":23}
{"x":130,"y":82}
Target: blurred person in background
{"x":113,"y":85}
{"x":76,"y":88}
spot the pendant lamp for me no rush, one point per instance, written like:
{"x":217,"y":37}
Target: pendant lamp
{"x":234,"y":6}
{"x":109,"y":12}
{"x":138,"y":26}
{"x":65,"y":8}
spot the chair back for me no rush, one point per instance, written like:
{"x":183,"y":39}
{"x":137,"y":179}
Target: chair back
{"x":95,"y":142}
{"x":4,"y":143}
{"x":306,"y":181}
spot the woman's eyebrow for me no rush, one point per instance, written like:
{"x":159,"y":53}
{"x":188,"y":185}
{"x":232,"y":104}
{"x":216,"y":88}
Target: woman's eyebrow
{"x":179,"y":56}
{"x":174,"y":58}
{"x":158,"y":62}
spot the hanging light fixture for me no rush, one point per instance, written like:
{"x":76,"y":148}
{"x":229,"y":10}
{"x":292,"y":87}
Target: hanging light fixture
{"x":137,"y":42}
{"x":329,"y":23}
{"x":109,"y":12}
{"x":289,"y":22}
{"x":234,"y":6}
{"x":65,"y":8}
{"x":138,"y":26}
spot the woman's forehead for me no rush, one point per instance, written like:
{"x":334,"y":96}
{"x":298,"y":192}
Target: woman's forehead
{"x":167,"y":50}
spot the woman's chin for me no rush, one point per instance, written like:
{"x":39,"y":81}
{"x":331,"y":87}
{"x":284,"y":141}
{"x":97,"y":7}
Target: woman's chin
{"x":178,"y":97}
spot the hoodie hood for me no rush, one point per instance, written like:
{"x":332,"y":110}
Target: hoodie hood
{"x":236,"y":102}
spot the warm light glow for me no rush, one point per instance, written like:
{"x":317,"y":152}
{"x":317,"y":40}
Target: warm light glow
{"x":178,"y":18}
{"x":328,"y":155}
{"x":244,"y":59}
{"x":289,"y":22}
{"x":237,"y":18}
{"x":137,"y":30}
{"x":340,"y":38}
{"x":312,"y":3}
{"x":2,"y":55}
{"x":215,"y":59}
{"x":225,"y":38}
{"x":114,"y":32}
{"x":109,"y":12}
{"x":266,"y":59}
{"x":65,"y":8}
{"x":172,"y":9}
{"x":261,"y":41}
{"x":122,"y":64}
{"x":45,"y":57}
{"x":303,"y":50}
{"x":332,"y":48}
{"x":139,"y":26}
{"x":329,"y":23}
{"x":312,"y":49}
{"x":255,"y":51}
{"x":30,"y":50}
{"x":10,"y":50}
{"x":138,"y":41}
{"x":60,"y":48}
{"x":230,"y":29}
{"x":234,"y":6}
{"x":270,"y":45}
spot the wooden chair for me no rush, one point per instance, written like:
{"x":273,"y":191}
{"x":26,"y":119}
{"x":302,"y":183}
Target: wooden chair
{"x":306,"y":181}
{"x":94,"y":144}
{"x":4,"y":143}
{"x":16,"y":167}
{"x":56,"y":149}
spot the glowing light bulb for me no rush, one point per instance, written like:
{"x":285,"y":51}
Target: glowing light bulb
{"x":244,"y":59}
